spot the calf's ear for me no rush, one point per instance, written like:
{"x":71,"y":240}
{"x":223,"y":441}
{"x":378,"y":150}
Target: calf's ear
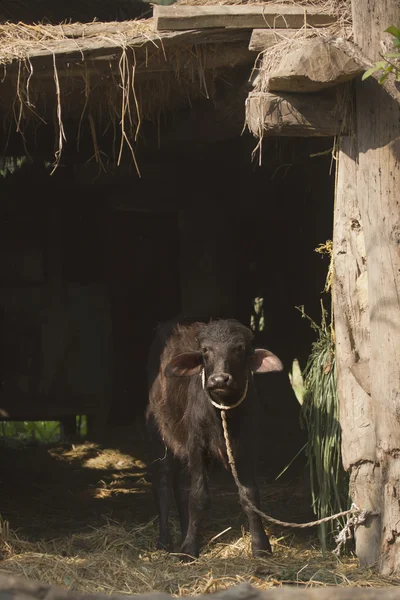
{"x":264,"y":361}
{"x":184,"y":365}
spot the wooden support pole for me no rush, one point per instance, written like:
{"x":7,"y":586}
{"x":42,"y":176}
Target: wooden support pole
{"x":367,"y":298}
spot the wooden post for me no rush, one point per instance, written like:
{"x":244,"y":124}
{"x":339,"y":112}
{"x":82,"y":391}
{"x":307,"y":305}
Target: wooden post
{"x":68,"y":428}
{"x":206,"y":263}
{"x":367,"y":299}
{"x":353,"y":347}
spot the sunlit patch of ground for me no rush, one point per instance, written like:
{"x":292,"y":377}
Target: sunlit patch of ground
{"x":82,"y":517}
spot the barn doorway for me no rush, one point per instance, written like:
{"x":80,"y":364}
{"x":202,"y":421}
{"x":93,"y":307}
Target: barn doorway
{"x":205,"y":229}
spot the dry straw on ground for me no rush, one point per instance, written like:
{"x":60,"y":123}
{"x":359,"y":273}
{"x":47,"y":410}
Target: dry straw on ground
{"x":119,"y":559}
{"x":114,"y":556}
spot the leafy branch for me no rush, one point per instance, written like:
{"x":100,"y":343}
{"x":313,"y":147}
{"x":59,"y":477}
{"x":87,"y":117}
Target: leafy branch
{"x":391,"y":60}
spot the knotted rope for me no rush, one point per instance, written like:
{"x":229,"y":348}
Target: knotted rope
{"x":358,"y":517}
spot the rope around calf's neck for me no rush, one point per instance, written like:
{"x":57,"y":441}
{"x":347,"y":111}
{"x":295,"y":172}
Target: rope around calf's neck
{"x":359,"y":516}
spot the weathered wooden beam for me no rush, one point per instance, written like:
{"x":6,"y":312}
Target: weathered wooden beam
{"x":313,"y":67}
{"x":300,"y":115}
{"x":389,"y":85}
{"x":262,"y":39}
{"x":249,"y":16}
{"x":147,"y":63}
{"x":81,"y":48}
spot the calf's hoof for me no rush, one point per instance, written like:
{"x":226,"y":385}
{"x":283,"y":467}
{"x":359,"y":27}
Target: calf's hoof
{"x":164,"y":544}
{"x":261,"y":548}
{"x":189,"y":552}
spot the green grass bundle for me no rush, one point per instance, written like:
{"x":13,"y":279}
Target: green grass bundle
{"x":320,"y":416}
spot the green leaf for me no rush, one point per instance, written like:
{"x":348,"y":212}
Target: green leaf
{"x":383,"y":78}
{"x":395,"y":31}
{"x":396,"y":43}
{"x":369,"y":72}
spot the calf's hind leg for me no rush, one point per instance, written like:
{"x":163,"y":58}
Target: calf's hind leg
{"x":161,"y":486}
{"x":181,"y":485}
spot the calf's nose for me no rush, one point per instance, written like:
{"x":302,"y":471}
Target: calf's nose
{"x":220,"y":380}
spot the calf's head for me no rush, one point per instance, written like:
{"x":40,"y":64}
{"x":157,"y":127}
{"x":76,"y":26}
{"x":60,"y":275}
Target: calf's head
{"x":226,"y":354}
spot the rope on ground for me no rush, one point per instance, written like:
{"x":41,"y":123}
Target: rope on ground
{"x":359,"y":516}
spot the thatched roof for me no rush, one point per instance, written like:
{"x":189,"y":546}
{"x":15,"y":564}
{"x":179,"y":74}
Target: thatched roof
{"x":57,"y":11}
{"x":106,"y":78}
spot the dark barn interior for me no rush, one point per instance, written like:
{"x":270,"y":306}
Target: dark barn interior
{"x":91,"y":263}
{"x":93,"y":257}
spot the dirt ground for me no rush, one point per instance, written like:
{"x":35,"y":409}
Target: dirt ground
{"x":82,"y":516}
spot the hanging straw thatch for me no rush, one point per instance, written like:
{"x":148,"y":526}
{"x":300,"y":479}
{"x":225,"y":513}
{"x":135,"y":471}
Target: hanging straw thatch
{"x":105,"y":95}
{"x":107,"y":78}
{"x":271,"y":57}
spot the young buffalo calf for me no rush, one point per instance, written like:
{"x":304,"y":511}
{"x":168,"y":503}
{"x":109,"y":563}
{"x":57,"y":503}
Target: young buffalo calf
{"x":190,"y":368}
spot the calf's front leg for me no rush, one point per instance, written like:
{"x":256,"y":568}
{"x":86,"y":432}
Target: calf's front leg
{"x":249,"y":494}
{"x":199,"y":501}
{"x":181,"y":486}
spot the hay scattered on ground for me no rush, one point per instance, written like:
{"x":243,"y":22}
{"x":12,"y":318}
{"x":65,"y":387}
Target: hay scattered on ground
{"x":93,"y":456}
{"x":119,"y":559}
{"x":114,"y":554}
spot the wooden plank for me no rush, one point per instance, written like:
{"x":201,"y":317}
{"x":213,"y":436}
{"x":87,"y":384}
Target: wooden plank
{"x":247,"y":16}
{"x":262,"y":39}
{"x":389,"y":85}
{"x":313,"y":67}
{"x":147,"y":63}
{"x":81,"y":48}
{"x":300,"y":115}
